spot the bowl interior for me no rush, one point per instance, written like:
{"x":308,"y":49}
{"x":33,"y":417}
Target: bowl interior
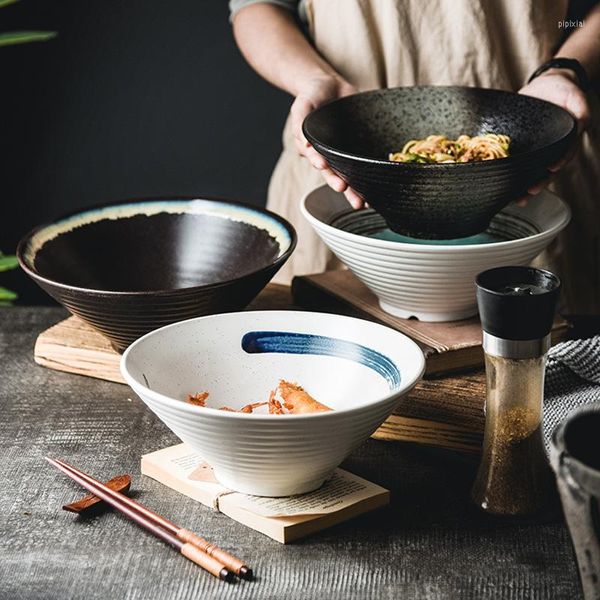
{"x":239,"y":358}
{"x":157,"y":245}
{"x":372,"y":124}
{"x":368,"y":223}
{"x":581,"y":437}
{"x":543,"y":214}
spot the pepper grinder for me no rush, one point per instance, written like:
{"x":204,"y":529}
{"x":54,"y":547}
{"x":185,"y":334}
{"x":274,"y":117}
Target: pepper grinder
{"x":516,"y":307}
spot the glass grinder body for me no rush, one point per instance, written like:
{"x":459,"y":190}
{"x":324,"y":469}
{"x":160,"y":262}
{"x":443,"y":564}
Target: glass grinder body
{"x":517,"y":306}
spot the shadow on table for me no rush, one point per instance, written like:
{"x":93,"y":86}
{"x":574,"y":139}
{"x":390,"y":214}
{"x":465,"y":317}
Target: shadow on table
{"x":430,"y":488}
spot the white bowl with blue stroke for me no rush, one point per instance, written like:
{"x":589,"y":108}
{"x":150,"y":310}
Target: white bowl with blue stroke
{"x":358,"y":368}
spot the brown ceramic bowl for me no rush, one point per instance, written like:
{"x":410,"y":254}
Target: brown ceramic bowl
{"x":131,"y":267}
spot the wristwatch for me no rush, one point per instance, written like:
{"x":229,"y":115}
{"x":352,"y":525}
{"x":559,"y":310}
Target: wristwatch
{"x":565,"y":63}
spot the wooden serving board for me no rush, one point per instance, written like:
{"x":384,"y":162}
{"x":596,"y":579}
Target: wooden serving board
{"x":74,"y":347}
{"x":449,"y":347}
{"x":446,"y":413}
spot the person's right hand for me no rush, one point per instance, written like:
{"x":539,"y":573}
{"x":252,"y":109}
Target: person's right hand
{"x":313,"y":93}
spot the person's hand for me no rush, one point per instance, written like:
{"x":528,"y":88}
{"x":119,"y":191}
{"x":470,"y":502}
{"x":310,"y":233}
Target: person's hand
{"x":558,"y":86}
{"x":313,"y":93}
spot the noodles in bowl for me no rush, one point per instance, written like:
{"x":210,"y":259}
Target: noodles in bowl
{"x":440,"y":149}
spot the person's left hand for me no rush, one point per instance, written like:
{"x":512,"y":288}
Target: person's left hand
{"x":558,"y":86}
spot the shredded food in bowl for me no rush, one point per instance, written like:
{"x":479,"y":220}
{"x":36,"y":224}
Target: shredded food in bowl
{"x":287,"y":398}
{"x":440,"y":149}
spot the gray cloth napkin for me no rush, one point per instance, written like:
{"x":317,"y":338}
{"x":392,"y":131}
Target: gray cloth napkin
{"x":572,"y":379}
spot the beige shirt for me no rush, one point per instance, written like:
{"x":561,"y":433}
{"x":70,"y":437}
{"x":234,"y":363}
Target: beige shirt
{"x":486,"y":43}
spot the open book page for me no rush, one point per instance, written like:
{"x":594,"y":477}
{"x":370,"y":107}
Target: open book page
{"x":342,"y":490}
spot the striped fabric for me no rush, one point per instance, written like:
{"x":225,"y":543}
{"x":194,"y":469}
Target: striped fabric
{"x":572,"y":379}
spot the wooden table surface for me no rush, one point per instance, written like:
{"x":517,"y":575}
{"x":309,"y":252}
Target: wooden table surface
{"x":428,"y":544}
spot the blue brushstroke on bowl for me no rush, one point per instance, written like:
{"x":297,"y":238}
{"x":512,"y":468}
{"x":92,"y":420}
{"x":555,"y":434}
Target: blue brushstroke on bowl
{"x":285,"y":342}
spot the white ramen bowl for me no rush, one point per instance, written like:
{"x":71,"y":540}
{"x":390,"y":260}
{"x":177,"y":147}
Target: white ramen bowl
{"x":432,"y":281}
{"x":358,"y":368}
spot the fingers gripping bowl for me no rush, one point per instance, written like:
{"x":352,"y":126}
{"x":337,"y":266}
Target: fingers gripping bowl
{"x":357,"y":133}
{"x":358,"y":368}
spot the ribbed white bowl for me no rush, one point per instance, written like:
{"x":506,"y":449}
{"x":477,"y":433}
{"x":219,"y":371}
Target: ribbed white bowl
{"x":358,"y":368}
{"x":426,"y":281}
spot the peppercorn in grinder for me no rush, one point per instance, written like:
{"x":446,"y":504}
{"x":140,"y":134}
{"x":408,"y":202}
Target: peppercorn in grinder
{"x":516,"y":306}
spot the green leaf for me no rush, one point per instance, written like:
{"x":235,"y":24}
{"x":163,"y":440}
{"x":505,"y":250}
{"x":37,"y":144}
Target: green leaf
{"x":4,"y":3}
{"x":8,"y":262}
{"x":25,"y":37}
{"x":6,"y":295}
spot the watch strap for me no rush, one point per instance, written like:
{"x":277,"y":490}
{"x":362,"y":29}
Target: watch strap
{"x":571,"y":64}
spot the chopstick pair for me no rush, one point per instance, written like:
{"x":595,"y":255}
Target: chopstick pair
{"x":213,"y":559}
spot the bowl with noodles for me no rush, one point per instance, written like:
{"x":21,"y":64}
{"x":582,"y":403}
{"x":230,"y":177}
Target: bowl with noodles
{"x":440,"y":162}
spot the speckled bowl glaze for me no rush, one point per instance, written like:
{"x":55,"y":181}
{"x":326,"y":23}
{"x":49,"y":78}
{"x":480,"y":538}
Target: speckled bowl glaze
{"x":358,"y":368}
{"x":356,"y":134}
{"x":431,"y":280}
{"x":131,"y":267}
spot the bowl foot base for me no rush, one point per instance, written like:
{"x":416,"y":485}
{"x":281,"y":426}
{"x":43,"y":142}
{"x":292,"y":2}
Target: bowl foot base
{"x":257,"y":488}
{"x":428,"y":317}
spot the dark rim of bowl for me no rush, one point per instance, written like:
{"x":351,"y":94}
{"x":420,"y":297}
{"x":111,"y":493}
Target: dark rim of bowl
{"x":474,"y":164}
{"x":163,"y":292}
{"x":488,"y":289}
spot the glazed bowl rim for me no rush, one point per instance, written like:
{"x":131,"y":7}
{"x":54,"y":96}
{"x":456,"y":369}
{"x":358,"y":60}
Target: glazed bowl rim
{"x":32,"y":272}
{"x":181,"y":405}
{"x":464,"y":166}
{"x":433,"y":249}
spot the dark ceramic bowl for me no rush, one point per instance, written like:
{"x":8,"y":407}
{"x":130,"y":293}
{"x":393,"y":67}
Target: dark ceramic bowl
{"x":355,"y":134}
{"x":131,"y":267}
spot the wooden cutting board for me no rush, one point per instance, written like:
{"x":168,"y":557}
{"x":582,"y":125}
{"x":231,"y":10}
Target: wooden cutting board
{"x":446,"y":413}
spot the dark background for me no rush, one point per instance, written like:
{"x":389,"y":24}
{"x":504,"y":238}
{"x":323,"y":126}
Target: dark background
{"x":134,"y":98}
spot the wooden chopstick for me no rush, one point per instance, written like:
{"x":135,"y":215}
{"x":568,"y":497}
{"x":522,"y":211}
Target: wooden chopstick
{"x":231,"y":562}
{"x":189,"y":550}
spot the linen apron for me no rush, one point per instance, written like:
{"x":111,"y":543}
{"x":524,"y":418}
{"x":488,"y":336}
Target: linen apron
{"x":484,"y":43}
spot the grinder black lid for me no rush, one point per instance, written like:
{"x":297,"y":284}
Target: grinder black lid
{"x":517,"y":303}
